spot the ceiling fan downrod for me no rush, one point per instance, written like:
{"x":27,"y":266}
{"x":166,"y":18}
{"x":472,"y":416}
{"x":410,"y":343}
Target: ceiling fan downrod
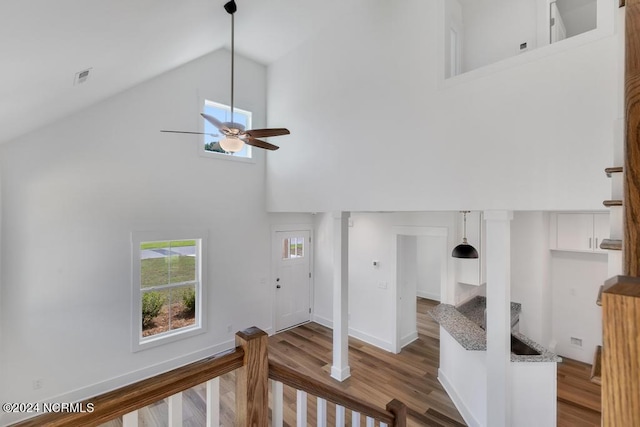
{"x":231,"y":8}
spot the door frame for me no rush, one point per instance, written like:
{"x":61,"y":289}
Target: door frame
{"x":274,"y":260}
{"x":444,"y":269}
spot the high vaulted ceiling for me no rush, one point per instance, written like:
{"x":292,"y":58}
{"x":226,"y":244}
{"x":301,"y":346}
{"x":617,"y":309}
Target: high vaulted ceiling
{"x":43,"y":43}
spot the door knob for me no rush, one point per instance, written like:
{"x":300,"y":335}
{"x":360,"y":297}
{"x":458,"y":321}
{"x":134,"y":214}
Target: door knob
{"x":277,"y":286}
{"x":278,"y":279}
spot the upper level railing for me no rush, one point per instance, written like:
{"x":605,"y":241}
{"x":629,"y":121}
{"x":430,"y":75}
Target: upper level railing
{"x":249,"y":362}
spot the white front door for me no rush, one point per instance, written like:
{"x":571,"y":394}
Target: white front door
{"x":293,"y":278}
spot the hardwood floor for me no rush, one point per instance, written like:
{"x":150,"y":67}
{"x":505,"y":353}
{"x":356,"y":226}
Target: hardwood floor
{"x":377,"y":377}
{"x":579,"y":401}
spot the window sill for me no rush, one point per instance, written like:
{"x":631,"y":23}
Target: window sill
{"x":166,"y":338}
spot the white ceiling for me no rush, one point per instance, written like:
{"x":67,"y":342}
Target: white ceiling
{"x":43,"y":43}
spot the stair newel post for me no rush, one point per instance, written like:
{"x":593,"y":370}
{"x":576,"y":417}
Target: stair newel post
{"x":399,"y":410}
{"x":252,"y":380}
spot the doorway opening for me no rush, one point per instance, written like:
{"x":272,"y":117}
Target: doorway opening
{"x":421,"y":270}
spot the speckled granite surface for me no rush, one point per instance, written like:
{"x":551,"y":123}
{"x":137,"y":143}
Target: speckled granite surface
{"x":474,"y":310}
{"x":468,"y":333}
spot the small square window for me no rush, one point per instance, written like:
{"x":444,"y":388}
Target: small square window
{"x":293,"y":247}
{"x":211,"y":145}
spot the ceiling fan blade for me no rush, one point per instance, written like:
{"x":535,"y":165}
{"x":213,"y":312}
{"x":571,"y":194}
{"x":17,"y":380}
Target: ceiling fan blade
{"x":265,"y":133}
{"x":260,"y":144}
{"x":194,"y":133}
{"x":217,"y":123}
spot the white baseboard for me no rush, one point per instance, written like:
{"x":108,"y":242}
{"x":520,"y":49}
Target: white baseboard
{"x":455,"y":398}
{"x":428,"y":295}
{"x":370,"y":339}
{"x":327,"y":323}
{"x":408,"y":339}
{"x":362,"y":336}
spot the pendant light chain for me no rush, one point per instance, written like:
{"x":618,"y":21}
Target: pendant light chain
{"x":464,"y":235}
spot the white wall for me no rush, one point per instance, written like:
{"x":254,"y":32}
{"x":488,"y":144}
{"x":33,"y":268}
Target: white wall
{"x":371,"y":290}
{"x":323,"y":269}
{"x":72,"y":194}
{"x":407,"y":280}
{"x":575,"y":281}
{"x":493,"y":31}
{"x":429,"y":266}
{"x":530,"y":269}
{"x":375,"y":129}
{"x":578,"y":16}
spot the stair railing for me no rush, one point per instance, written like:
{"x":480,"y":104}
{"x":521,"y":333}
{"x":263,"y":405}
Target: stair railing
{"x":249,"y":361}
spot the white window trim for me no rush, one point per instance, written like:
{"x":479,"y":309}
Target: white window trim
{"x":138,"y":237}
{"x":212,"y":154}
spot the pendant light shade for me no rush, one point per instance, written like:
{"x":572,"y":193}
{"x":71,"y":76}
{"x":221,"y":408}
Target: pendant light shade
{"x":464,"y":250}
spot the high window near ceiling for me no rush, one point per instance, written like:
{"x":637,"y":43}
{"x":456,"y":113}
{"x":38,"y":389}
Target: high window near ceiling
{"x":211,"y":145}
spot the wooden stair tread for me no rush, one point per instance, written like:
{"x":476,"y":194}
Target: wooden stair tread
{"x":616,"y":169}
{"x":611,"y":244}
{"x":596,"y":368}
{"x":609,"y":203}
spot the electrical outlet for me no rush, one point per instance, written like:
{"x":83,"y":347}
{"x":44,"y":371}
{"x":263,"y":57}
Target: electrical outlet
{"x":229,"y":328}
{"x":37,"y":384}
{"x":576,"y":342}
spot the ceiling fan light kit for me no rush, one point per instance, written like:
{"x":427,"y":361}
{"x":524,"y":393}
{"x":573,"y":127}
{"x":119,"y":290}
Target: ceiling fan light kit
{"x":235,"y":136}
{"x":231,"y":144}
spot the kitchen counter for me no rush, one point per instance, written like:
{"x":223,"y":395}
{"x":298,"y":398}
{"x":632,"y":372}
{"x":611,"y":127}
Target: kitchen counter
{"x":464,"y":325}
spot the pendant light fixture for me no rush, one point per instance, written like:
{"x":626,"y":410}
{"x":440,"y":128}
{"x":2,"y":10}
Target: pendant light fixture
{"x":464,"y":250}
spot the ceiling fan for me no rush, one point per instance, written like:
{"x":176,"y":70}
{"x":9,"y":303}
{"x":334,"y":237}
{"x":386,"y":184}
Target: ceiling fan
{"x":235,"y":135}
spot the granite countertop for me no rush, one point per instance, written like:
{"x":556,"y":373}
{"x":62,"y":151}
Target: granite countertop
{"x":463,"y":324}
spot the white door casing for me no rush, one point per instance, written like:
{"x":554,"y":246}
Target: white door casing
{"x":292,"y":278}
{"x":398,"y":308}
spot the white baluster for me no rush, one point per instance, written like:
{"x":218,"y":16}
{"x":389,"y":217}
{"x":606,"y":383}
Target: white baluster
{"x":355,"y":419}
{"x":175,"y":410}
{"x":301,"y":409}
{"x":276,"y":411}
{"x":322,"y":413}
{"x":130,"y":419}
{"x":213,"y":402}
{"x":340,"y":415}
{"x":371,"y":422}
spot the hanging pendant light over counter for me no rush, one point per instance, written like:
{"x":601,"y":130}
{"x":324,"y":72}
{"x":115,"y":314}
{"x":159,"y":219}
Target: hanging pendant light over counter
{"x":464,"y":250}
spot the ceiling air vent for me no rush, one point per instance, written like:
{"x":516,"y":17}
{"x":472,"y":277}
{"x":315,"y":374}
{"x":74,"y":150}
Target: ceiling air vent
{"x":81,"y":76}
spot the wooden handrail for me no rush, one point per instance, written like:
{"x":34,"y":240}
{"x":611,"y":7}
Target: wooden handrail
{"x":143,"y":393}
{"x":290,"y":377}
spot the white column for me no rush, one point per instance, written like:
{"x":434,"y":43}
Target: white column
{"x":498,"y":268}
{"x":340,"y":369}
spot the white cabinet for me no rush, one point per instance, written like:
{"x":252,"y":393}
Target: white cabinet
{"x":579,"y":231}
{"x":471,"y":271}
